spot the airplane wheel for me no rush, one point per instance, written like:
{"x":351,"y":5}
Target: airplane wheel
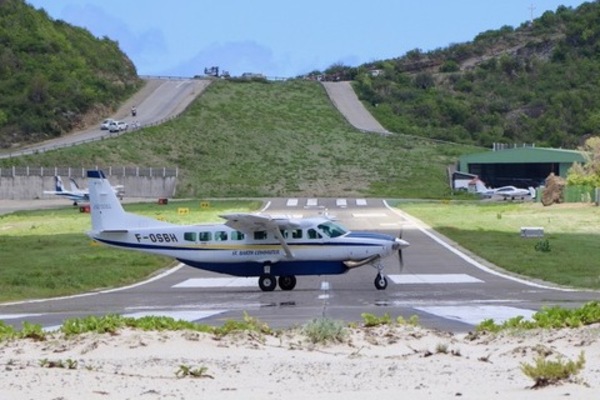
{"x":381,"y":282}
{"x":267,"y":282}
{"x":287,"y":282}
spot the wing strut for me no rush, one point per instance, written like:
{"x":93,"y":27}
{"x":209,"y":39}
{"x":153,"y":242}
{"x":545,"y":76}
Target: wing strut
{"x":284,"y":244}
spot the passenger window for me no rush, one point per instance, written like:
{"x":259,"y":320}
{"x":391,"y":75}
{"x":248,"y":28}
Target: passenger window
{"x":313,"y":234}
{"x":297,"y":234}
{"x":260,"y":235}
{"x":220,"y":236}
{"x":205,"y":236}
{"x":189,"y":236}
{"x":284,"y":233}
{"x":237,"y":235}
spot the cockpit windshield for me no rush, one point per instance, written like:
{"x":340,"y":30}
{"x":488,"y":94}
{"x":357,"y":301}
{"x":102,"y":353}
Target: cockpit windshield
{"x":331,"y":229}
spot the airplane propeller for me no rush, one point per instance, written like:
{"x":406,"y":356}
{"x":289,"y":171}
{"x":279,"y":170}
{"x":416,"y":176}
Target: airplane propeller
{"x":401,"y":244}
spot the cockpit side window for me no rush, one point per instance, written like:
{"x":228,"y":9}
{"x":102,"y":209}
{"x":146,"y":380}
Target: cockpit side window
{"x":331,"y":229}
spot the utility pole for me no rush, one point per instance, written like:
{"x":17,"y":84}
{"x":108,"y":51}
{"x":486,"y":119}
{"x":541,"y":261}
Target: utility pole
{"x":531,"y":8}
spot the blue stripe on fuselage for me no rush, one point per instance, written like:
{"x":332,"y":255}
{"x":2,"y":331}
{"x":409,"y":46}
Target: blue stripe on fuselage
{"x":277,"y":269}
{"x":191,"y":247}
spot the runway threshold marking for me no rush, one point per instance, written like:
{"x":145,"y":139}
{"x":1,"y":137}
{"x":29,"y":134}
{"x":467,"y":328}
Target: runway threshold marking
{"x":415,"y":279}
{"x":292,"y":203}
{"x":475,"y":314}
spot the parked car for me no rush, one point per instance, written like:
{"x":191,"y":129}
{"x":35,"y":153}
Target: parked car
{"x":105,"y":124}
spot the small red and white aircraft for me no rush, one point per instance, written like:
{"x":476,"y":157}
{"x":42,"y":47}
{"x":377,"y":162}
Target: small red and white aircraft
{"x":275,"y":250}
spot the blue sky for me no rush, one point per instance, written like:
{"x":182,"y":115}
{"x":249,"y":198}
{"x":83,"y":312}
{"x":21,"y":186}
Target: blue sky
{"x":285,"y":38}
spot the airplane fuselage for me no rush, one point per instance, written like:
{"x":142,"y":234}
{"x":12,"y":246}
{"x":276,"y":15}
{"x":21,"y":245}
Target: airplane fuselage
{"x":222,"y":249}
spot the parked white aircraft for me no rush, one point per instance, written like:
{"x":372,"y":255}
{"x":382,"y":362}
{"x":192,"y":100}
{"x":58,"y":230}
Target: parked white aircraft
{"x":75,"y":195}
{"x":274,"y":249}
{"x":511,"y":192}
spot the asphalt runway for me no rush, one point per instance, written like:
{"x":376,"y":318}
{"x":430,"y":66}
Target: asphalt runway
{"x":440,"y":284}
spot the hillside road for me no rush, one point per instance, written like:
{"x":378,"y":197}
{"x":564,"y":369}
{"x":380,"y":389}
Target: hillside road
{"x":345,"y":100}
{"x":157,"y":101}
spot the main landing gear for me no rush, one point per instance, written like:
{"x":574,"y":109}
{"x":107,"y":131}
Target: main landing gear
{"x":268,"y":282}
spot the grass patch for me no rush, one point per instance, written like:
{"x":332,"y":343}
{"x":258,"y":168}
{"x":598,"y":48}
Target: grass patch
{"x":567,"y":255}
{"x":546,"y":372}
{"x":46,"y":253}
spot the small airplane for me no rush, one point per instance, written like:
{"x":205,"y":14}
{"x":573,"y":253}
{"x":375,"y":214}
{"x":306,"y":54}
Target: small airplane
{"x":510,"y":192}
{"x":274,"y":249}
{"x":76,"y":194}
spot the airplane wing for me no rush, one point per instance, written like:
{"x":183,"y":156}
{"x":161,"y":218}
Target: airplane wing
{"x":250,"y":223}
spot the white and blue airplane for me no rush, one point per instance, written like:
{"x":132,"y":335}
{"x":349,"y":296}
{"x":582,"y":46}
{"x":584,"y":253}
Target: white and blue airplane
{"x":76,"y":195}
{"x":275,"y":250}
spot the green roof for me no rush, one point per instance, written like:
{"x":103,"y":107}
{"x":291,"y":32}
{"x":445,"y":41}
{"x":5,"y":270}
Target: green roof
{"x":524,"y":155}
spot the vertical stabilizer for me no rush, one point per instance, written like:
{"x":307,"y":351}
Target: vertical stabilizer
{"x":107,"y":212}
{"x":58,"y":184}
{"x":74,"y":185}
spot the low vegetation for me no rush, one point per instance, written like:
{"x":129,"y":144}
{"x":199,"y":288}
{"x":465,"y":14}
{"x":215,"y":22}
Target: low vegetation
{"x":545,"y":372}
{"x":548,"y":318}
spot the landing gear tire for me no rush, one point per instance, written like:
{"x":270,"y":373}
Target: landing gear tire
{"x":267,"y":282}
{"x":287,"y":282}
{"x":381,"y":282}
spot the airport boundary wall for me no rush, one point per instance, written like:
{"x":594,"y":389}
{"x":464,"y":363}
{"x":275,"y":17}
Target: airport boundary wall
{"x":29,"y":183}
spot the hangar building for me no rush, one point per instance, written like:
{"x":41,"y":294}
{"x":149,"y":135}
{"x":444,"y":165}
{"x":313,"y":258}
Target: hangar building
{"x":521,"y":166}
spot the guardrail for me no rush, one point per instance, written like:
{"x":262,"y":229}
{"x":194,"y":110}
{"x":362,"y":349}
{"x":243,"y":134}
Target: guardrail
{"x":162,"y":172}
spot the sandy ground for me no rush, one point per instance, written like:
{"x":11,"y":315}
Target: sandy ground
{"x":388,"y":362}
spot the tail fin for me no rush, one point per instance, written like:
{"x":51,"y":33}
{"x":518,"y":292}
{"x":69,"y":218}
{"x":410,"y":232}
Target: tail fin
{"x":107,"y":212}
{"x":74,"y":184}
{"x":58,"y":184}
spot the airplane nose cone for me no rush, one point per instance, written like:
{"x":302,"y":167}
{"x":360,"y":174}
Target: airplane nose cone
{"x":400,"y":244}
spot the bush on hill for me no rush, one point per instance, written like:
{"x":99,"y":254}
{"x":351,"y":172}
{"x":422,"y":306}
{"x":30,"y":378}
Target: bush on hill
{"x":52,"y":74}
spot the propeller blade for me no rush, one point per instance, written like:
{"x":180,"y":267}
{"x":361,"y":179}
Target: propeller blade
{"x":400,"y":260}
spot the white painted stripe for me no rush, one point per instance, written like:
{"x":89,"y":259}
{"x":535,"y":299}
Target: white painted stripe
{"x":217,"y":282}
{"x":406,"y":279}
{"x":292,"y":202}
{"x":477,"y":313}
{"x":312,"y":202}
{"x":361,"y":202}
{"x":17,"y":316}
{"x":420,"y":225}
{"x":369,"y":215}
{"x":341,"y":203}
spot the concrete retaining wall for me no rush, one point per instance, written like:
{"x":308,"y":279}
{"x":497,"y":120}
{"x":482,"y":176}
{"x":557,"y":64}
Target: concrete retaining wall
{"x":32,"y":187}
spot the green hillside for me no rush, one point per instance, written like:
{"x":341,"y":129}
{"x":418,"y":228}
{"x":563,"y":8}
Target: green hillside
{"x":537,"y":83}
{"x":271,"y":139}
{"x":55,"y":77}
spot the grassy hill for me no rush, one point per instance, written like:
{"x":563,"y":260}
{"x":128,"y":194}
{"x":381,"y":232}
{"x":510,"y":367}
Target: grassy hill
{"x":55,"y":77}
{"x":537,"y":83}
{"x":271,"y":139}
